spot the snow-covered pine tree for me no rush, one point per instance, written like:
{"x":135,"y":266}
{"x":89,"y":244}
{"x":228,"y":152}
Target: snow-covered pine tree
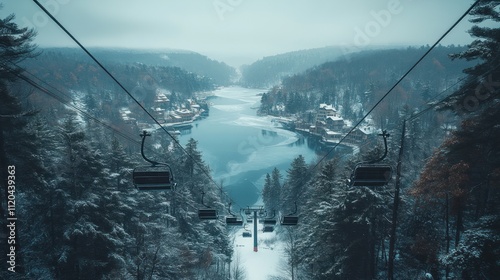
{"x":275,"y":191}
{"x":294,"y":185}
{"x":466,"y":168}
{"x":266,"y":190}
{"x":15,"y":146}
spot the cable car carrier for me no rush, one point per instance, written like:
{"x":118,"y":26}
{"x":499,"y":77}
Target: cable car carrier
{"x":157,"y":176}
{"x":233,"y":220}
{"x":290,"y":219}
{"x":207,"y":213}
{"x":373,"y":174}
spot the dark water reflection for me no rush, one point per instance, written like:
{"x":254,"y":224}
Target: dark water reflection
{"x":241,"y":147}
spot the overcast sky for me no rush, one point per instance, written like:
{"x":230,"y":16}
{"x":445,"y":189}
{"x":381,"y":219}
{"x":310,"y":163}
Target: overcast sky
{"x":242,"y":31}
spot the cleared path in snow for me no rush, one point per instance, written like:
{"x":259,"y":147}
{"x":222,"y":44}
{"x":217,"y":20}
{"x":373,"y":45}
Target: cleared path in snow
{"x":264,"y":263}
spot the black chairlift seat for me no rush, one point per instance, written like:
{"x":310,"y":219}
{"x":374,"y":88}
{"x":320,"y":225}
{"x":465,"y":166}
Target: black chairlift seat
{"x":233,"y":221}
{"x":247,"y":234}
{"x":207,"y":214}
{"x":154,"y":177}
{"x":371,"y":175}
{"x":269,"y":221}
{"x":268,"y":229}
{"x":289,"y":220}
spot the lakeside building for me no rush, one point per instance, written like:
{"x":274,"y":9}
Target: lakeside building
{"x":163,"y":112}
{"x":331,"y":127}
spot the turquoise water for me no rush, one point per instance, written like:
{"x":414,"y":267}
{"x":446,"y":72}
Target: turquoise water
{"x":241,"y":147}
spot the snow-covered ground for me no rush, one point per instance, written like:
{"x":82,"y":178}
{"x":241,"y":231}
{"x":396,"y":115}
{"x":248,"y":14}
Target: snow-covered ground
{"x":267,"y":261}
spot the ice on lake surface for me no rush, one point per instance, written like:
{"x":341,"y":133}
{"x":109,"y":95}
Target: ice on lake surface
{"x":241,"y":147}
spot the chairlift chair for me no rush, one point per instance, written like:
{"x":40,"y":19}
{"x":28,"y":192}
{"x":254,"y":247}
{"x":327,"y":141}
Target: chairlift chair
{"x":153,"y":178}
{"x":289,"y":220}
{"x":157,"y":176}
{"x":248,"y":212}
{"x":247,"y":233}
{"x":207,"y":214}
{"x":233,"y":221}
{"x":262,"y":212}
{"x":268,"y":229}
{"x":372,"y":174}
{"x":269,"y":221}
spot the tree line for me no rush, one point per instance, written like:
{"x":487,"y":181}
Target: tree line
{"x":363,"y":79}
{"x":448,"y":219}
{"x":78,"y":215}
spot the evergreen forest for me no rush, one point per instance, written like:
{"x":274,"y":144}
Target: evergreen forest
{"x":69,"y":209}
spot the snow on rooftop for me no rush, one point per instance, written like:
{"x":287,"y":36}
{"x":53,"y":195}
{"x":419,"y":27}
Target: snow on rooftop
{"x":326,"y":106}
{"x":125,"y":110}
{"x":335,"y":118}
{"x":183,"y":111}
{"x":163,"y":91}
{"x":367,"y":129}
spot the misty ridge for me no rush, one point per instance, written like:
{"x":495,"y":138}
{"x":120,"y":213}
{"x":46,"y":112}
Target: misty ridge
{"x":267,"y":71}
{"x":70,"y":135}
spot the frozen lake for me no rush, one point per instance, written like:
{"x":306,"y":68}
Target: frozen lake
{"x":241,"y":147}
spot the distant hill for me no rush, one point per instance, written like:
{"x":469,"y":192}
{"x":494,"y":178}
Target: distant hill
{"x":271,"y":69}
{"x":221,"y":73}
{"x":357,"y":83}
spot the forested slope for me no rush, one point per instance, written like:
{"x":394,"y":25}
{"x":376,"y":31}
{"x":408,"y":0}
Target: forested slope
{"x":67,"y":165}
{"x":364,"y":78}
{"x":448,"y":222}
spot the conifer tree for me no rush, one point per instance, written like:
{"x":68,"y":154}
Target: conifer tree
{"x":266,"y":190}
{"x":271,"y":193}
{"x":294,"y":185}
{"x":193,"y":157}
{"x":464,"y":171}
{"x":15,"y":45}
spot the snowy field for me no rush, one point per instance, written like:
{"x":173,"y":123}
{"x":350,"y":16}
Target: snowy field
{"x":264,"y":263}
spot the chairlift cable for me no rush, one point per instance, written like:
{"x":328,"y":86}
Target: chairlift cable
{"x":397,"y":82}
{"x":105,"y":125}
{"x":68,"y":103}
{"x":437,"y":103}
{"x":104,"y":69}
{"x":128,"y":93}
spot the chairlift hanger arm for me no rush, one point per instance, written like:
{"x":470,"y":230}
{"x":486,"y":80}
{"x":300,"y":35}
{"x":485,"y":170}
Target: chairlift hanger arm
{"x":202,"y":202}
{"x":229,"y":210}
{"x":154,"y":163}
{"x":143,"y":136}
{"x":274,"y":214}
{"x":384,"y":135}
